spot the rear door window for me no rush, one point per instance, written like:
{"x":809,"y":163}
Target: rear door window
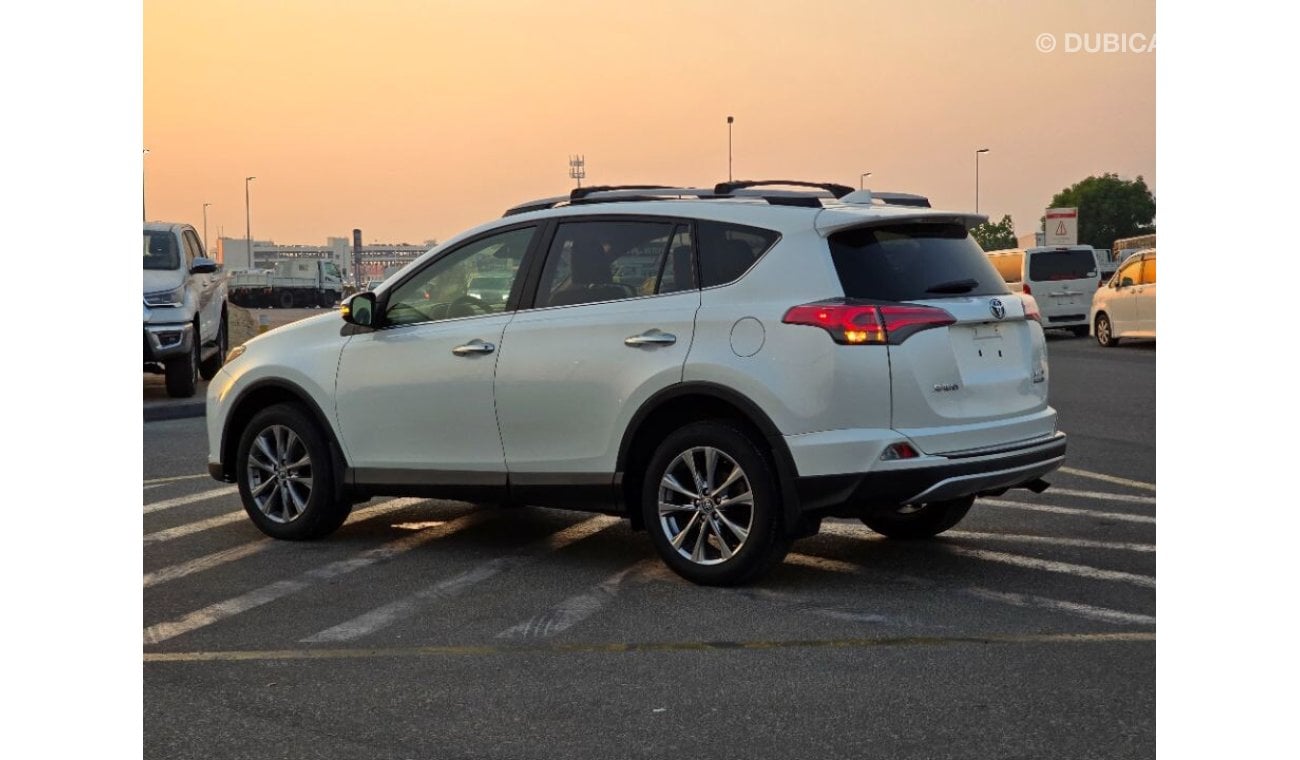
{"x":595,"y":261}
{"x":912,"y":262}
{"x":1062,"y":265}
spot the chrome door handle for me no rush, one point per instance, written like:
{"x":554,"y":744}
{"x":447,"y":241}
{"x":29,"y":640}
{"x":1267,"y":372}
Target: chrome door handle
{"x":652,"y":337}
{"x":473,"y":348}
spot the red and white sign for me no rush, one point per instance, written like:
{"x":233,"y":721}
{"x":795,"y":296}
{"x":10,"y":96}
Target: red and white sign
{"x":1062,"y":226}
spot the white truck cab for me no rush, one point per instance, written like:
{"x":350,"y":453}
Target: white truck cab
{"x":185,"y":331}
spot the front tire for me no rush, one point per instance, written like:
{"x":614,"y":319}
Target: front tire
{"x":286,"y":476}
{"x":286,"y":300}
{"x":911,"y":521}
{"x":712,"y":506}
{"x":1104,"y":331}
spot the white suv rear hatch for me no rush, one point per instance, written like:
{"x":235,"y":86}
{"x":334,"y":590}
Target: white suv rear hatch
{"x":976,"y":378}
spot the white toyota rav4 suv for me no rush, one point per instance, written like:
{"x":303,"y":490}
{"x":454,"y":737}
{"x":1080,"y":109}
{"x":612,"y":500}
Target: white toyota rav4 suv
{"x":785,"y":356}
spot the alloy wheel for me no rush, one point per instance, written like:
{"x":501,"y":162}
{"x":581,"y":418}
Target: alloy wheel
{"x":279,"y":474}
{"x":706,"y":505}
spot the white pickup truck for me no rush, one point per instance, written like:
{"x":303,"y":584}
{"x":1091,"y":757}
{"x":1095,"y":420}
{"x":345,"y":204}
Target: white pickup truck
{"x":292,"y":283}
{"x":185,"y":325}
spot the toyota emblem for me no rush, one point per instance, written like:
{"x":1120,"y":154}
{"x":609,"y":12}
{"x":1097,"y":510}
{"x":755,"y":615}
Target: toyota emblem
{"x":998,"y":308}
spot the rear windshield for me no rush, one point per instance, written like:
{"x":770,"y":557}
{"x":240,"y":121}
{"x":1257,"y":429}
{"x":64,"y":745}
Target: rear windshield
{"x":1062,"y":265}
{"x":160,"y":251}
{"x":912,"y":262}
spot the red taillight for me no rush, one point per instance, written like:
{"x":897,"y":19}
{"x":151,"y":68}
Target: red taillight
{"x":867,"y":325}
{"x":1025,"y":287}
{"x":1031,"y":309}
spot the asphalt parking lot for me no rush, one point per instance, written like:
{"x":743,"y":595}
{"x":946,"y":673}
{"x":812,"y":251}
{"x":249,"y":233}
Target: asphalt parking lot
{"x":433,"y":629}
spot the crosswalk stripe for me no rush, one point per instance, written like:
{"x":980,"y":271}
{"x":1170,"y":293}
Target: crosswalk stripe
{"x":1051,"y":566}
{"x":157,"y":481}
{"x":228,"y":608}
{"x":158,"y":506}
{"x":1108,"y":478}
{"x":1053,"y":510}
{"x":206,"y":562}
{"x":1102,"y":495}
{"x":187,"y":529}
{"x":384,"y":616}
{"x":1075,"y":608}
{"x":575,"y":609}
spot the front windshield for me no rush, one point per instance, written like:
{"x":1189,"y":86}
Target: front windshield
{"x":160,"y":251}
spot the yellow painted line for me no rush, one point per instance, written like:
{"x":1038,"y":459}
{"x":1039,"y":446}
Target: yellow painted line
{"x":365,"y":653}
{"x":1108,"y":478}
{"x":156,"y":481}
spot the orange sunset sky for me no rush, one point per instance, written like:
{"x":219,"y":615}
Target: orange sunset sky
{"x":415,"y":119}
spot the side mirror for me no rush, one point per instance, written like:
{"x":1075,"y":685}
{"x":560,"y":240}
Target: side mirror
{"x":203,"y":265}
{"x":1127,"y":282}
{"x":360,"y":310}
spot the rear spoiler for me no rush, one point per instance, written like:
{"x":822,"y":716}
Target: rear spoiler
{"x":833,"y":220}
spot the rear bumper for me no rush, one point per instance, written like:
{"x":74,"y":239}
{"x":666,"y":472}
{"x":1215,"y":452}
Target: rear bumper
{"x":932,"y":479}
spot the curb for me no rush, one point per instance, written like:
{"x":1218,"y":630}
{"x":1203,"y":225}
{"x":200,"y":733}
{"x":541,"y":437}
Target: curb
{"x":175,"y":411}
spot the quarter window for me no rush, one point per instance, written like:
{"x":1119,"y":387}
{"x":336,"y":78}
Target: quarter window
{"x":727,"y":251}
{"x":474,"y":279}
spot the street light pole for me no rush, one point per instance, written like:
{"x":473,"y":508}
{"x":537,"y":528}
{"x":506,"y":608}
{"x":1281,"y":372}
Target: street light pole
{"x":977,"y":177}
{"x":143,"y":205}
{"x":205,"y":230}
{"x":248,"y":224}
{"x":862,"y":180}
{"x":730,"y":119}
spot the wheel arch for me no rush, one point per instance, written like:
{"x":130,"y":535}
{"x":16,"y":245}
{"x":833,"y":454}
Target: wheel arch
{"x":686,"y":402}
{"x":260,"y":395}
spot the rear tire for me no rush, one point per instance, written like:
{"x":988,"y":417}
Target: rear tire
{"x":911,"y":522}
{"x":286,"y":475}
{"x":720,"y":523}
{"x":286,"y":300}
{"x":209,"y":367}
{"x":182,"y":372}
{"x":1104,"y":331}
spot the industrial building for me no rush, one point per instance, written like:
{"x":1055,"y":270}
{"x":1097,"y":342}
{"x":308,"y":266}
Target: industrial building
{"x":233,"y":254}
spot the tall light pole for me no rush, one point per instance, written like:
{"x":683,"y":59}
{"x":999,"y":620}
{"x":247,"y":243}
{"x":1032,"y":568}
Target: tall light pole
{"x":248,"y":223}
{"x":730,"y":119}
{"x":977,"y":177}
{"x":862,"y":180}
{"x":143,"y":205}
{"x":205,"y":230}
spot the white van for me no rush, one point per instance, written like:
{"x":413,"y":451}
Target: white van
{"x":1062,"y":279}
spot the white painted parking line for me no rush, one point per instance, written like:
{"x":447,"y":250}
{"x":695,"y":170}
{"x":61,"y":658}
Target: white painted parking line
{"x":1118,"y":516}
{"x":158,"y":481}
{"x":577,"y":608}
{"x":158,"y":506}
{"x":1101,"y":495}
{"x":384,"y":616}
{"x":233,"y":517}
{"x":206,"y":562}
{"x":1034,"y":563}
{"x":854,"y":531}
{"x":1108,"y":478}
{"x":228,"y":608}
{"x":1080,"y":543}
{"x":1074,"y":608}
{"x":1016,"y":600}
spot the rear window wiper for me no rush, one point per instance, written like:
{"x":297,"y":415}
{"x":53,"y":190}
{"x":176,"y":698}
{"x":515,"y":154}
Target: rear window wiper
{"x":955,"y":286}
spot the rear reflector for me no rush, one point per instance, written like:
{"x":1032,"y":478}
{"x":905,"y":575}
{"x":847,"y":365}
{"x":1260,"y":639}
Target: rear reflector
{"x":898,"y":451}
{"x":852,"y":324}
{"x":1025,"y":287}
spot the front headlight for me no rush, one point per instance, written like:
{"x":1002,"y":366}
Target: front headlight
{"x":166,"y":297}
{"x":235,"y":353}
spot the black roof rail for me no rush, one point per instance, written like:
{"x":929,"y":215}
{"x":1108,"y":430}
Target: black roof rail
{"x":582,"y":192}
{"x":726,"y":188}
